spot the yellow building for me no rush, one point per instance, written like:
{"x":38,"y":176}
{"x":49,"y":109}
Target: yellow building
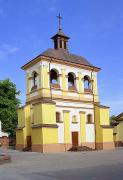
{"x":118,"y":130}
{"x":62,"y":103}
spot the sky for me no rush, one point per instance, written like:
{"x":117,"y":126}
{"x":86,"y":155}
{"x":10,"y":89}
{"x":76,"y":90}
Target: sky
{"x":95,"y":28}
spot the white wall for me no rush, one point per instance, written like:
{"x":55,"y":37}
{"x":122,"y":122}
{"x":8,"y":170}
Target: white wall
{"x":59,"y":68}
{"x":87,"y":108}
{"x":2,"y":133}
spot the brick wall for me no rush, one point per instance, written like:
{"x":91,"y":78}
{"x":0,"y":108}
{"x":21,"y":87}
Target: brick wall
{"x":4,"y":141}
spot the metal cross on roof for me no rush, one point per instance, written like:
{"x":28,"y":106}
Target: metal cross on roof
{"x":59,"y":19}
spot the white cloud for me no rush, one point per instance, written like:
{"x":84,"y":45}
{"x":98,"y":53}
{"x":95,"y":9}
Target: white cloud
{"x":6,"y":49}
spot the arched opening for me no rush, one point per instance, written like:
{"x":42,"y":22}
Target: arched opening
{"x":55,"y":44}
{"x":89,"y":119}
{"x":60,"y":43}
{"x":74,"y":119}
{"x":87,"y":84}
{"x":34,"y":80}
{"x":54,"y":77}
{"x":71,"y":81}
{"x":65,"y":45}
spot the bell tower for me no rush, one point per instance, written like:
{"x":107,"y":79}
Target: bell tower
{"x":60,"y":39}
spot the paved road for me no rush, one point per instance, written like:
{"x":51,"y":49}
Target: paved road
{"x":98,"y":165}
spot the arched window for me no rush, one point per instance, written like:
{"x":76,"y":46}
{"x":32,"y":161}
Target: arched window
{"x":54,"y":77}
{"x":34,"y":80}
{"x":89,"y":119}
{"x":74,"y":119}
{"x":58,"y":117}
{"x":71,"y":80}
{"x":87,"y":84}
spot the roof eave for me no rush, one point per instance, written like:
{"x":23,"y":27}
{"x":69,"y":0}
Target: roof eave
{"x":60,"y":36}
{"x":120,"y":115}
{"x":24,"y":67}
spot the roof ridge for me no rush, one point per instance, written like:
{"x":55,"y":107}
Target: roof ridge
{"x":65,"y":55}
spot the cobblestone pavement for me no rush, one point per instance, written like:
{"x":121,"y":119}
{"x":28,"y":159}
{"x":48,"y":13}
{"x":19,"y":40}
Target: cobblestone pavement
{"x":101,"y":165}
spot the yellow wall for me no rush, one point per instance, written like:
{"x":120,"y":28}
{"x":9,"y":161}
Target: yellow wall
{"x":50,"y":135}
{"x":119,"y":130}
{"x":27,"y":83}
{"x":37,"y":114}
{"x":103,"y":134}
{"x":19,"y":137}
{"x":96,"y":98}
{"x":39,"y":79}
{"x":104,"y":116}
{"x":66,"y":120}
{"x":80,"y":82}
{"x":107,"y":135}
{"x":46,"y":76}
{"x":48,"y":114}
{"x":37,"y":137}
{"x":44,"y":136}
{"x":21,"y":117}
{"x":81,"y":85}
{"x":44,"y":113}
{"x":24,"y":119}
{"x":32,"y":114}
{"x":28,"y":119}
{"x":46,"y":85}
{"x":98,"y":129}
{"x":95,"y":90}
{"x":82,"y":127}
{"x":64,"y":82}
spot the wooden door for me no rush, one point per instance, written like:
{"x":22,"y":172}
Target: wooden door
{"x":75,"y":138}
{"x":29,"y":142}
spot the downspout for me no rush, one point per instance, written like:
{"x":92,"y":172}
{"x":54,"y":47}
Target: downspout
{"x":93,"y":105}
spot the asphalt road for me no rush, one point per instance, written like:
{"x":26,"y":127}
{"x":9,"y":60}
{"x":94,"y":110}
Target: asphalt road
{"x":97,"y":165}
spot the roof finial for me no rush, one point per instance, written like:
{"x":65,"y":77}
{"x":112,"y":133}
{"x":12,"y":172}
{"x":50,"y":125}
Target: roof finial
{"x":59,"y":20}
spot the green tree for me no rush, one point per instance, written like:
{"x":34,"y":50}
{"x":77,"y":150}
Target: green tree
{"x":112,"y":119}
{"x":8,"y":106}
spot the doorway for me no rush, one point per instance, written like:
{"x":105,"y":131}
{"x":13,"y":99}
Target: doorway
{"x":74,"y":139}
{"x":29,"y":142}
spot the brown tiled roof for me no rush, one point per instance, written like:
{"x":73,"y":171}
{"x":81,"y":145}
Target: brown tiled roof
{"x":101,"y":106}
{"x":66,"y":56}
{"x":106,"y":126}
{"x":60,"y":33}
{"x":119,"y":117}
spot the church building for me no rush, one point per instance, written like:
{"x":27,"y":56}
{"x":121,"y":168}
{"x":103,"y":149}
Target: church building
{"x":62,"y":107}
